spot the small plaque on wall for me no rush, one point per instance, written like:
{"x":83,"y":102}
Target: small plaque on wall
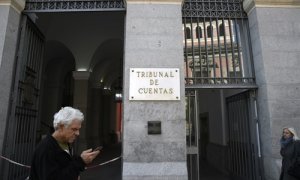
{"x":154,"y":127}
{"x":154,"y":84}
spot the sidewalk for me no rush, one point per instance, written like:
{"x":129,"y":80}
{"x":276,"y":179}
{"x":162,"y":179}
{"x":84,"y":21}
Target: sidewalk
{"x":208,"y":172}
{"x":112,"y":171}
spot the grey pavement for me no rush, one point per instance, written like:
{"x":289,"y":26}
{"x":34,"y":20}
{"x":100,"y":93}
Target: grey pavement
{"x":208,"y":172}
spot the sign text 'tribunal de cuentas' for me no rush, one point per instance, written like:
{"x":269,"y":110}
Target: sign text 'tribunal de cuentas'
{"x":154,"y":84}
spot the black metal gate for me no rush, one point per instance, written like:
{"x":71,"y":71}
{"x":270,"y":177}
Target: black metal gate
{"x":192,"y":135}
{"x":20,"y":137}
{"x":218,"y":55}
{"x":217,"y":47}
{"x":243,"y":145}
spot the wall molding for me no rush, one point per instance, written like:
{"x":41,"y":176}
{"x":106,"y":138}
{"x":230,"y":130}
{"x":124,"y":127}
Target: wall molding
{"x":250,"y":4}
{"x":154,"y":1}
{"x":271,"y":3}
{"x":18,"y":5}
{"x":81,"y":75}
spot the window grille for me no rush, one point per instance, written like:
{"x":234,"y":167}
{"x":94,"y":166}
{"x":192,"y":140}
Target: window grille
{"x":217,"y":50}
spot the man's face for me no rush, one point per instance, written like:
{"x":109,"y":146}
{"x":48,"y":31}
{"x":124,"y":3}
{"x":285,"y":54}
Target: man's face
{"x":71,"y":132}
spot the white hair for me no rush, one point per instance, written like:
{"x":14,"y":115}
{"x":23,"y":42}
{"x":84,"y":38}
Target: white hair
{"x":66,"y":115}
{"x":293,"y":131}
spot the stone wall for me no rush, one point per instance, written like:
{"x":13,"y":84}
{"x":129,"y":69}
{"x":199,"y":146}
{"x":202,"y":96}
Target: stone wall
{"x":275,"y":35}
{"x":9,"y":25}
{"x":153,"y":39}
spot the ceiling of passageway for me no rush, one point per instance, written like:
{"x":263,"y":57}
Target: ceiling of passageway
{"x":107,"y":64}
{"x":93,"y":38}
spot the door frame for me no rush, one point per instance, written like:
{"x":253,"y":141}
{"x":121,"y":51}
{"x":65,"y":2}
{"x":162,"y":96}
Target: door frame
{"x":24,"y":108}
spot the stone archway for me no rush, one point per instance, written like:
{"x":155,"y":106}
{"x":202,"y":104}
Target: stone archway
{"x":105,"y":80}
{"x":57,"y":81}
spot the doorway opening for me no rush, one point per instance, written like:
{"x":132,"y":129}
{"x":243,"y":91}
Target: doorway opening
{"x":81,"y":66}
{"x":222,"y":136}
{"x":222,"y":126}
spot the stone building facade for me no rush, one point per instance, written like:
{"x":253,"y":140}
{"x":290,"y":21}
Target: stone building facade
{"x":146,"y":34}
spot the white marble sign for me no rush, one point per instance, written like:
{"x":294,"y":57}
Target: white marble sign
{"x":154,"y":84}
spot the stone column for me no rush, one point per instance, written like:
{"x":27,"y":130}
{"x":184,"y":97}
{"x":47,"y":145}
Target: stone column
{"x":10,"y":11}
{"x":154,"y":39}
{"x":81,"y":85}
{"x":275,"y":36}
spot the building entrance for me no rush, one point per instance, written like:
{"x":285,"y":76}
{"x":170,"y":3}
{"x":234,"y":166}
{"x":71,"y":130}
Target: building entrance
{"x":222,"y":136}
{"x":69,"y":59}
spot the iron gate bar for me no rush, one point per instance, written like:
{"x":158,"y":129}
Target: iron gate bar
{"x":193,"y":49}
{"x":199,"y":48}
{"x":219,"y":46}
{"x":221,"y":86}
{"x":197,"y":130}
{"x":232,"y":48}
{"x":185,"y":46}
{"x":213,"y":48}
{"x":237,"y":34}
{"x":189,"y":143}
{"x":206,"y":51}
{"x":240,"y":115}
{"x":226,"y":50}
{"x":32,"y":6}
{"x":250,"y":157}
{"x":190,"y":132}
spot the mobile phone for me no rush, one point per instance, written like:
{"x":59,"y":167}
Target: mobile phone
{"x":98,"y":148}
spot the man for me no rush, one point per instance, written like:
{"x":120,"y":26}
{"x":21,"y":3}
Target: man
{"x":53,"y":158}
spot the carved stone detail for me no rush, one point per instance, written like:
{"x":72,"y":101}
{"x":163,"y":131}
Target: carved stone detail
{"x":250,"y":4}
{"x":18,"y":5}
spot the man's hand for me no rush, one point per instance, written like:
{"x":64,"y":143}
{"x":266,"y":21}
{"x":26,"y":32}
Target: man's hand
{"x":88,"y":155}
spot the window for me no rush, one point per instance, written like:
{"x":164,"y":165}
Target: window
{"x":209,"y":31}
{"x":188,"y":33}
{"x":221,"y":30}
{"x":198,"y":32}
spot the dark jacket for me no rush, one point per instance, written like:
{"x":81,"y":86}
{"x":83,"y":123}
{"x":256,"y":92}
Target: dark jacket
{"x":51,"y":162}
{"x":288,"y":157}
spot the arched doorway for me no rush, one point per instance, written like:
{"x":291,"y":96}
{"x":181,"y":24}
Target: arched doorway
{"x":57,"y":84}
{"x":71,"y":40}
{"x":95,"y":41}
